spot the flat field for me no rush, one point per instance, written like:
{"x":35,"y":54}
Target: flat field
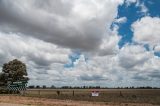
{"x":107,"y":96}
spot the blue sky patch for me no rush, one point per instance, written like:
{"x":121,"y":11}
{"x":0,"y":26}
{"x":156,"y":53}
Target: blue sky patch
{"x":72,"y":58}
{"x":157,"y":54}
{"x":153,"y":7}
{"x":132,"y":13}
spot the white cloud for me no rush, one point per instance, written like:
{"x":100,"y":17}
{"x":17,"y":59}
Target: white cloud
{"x":147,"y":31}
{"x":31,"y":48}
{"x":76,"y":24}
{"x":38,"y":55}
{"x":109,"y":45}
{"x":132,"y":65}
{"x":46,"y":61}
{"x":133,"y":55}
{"x":144,"y":9}
{"x":157,"y":48}
{"x":129,"y":2}
{"x":68,"y":26}
{"x":140,"y":4}
{"x":121,"y":20}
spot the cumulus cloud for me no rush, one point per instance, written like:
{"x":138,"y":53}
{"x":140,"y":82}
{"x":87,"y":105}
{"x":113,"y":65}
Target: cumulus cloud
{"x":43,"y":34}
{"x":46,"y":61}
{"x":109,"y":45}
{"x":71,"y":24}
{"x":38,"y":57}
{"x":133,"y":55}
{"x":157,"y":48}
{"x":132,"y":65}
{"x":139,"y":63}
{"x":96,"y":70}
{"x":147,"y":31}
{"x":19,"y":46}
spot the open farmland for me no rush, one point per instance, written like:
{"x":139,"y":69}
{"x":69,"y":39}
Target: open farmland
{"x":150,"y":96}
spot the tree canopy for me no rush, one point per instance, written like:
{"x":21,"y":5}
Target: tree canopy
{"x":14,"y":70}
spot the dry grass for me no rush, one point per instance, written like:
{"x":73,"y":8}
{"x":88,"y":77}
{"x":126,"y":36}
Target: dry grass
{"x":151,"y":96}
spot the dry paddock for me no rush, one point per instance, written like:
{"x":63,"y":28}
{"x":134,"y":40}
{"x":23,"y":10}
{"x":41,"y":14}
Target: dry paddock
{"x":151,"y":96}
{"x":33,"y":101}
{"x":82,"y":97}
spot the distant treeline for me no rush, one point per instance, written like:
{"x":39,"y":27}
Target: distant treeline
{"x":88,"y":87}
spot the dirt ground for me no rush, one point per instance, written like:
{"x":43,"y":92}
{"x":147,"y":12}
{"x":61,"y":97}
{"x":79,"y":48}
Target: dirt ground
{"x":10,"y":104}
{"x":32,"y":101}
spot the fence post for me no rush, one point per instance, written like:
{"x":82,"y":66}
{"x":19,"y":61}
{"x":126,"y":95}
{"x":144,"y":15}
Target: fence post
{"x":39,"y":92}
{"x":58,"y":92}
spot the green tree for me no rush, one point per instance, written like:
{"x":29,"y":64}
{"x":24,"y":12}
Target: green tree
{"x":14,"y":70}
{"x":2,"y":79}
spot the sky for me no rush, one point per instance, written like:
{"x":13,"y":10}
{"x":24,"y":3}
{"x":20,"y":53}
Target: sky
{"x":106,"y":43}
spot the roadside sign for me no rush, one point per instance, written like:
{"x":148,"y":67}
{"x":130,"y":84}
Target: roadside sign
{"x":95,"y":93}
{"x":17,"y":86}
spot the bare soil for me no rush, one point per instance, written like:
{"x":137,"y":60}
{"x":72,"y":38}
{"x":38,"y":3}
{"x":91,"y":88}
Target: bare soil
{"x":33,"y":101}
{"x":10,"y":104}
